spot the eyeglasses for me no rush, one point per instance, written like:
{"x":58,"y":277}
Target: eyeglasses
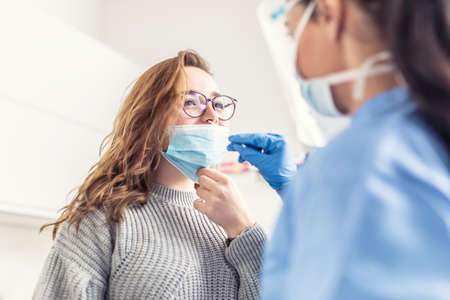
{"x":195,"y":105}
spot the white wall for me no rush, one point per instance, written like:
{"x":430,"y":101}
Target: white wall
{"x":22,"y":252}
{"x":59,"y":94}
{"x":82,"y":14}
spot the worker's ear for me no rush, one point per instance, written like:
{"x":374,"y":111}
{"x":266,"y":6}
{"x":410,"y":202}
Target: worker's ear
{"x":331,"y":14}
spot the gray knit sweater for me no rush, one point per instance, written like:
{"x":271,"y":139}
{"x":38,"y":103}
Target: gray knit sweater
{"x":164,"y":249}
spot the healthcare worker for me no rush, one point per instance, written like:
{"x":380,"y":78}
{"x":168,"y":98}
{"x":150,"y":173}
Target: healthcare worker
{"x":368,"y":215}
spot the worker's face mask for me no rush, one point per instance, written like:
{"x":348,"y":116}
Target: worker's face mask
{"x":317,"y":91}
{"x":192,"y":147}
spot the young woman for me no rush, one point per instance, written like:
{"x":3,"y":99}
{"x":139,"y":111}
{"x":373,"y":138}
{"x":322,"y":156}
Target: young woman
{"x":367,"y":216}
{"x":132,"y":231}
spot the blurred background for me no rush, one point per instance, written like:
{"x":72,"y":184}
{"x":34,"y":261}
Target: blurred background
{"x":65,"y":67}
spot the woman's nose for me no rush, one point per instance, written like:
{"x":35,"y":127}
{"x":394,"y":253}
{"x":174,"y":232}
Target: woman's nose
{"x":210,"y":115}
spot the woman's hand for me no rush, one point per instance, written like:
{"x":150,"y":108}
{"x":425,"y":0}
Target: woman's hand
{"x":221,"y":202}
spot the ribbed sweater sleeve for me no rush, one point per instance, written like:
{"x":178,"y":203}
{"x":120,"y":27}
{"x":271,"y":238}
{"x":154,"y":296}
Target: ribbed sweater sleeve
{"x":78,"y":264}
{"x":245,"y":254}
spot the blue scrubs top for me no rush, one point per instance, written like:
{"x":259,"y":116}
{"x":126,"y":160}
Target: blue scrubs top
{"x":368,"y":216}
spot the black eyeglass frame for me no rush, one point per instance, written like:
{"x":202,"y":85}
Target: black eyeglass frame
{"x":234,"y":101}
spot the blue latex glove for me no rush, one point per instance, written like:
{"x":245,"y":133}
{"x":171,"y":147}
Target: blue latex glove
{"x":267,"y":152}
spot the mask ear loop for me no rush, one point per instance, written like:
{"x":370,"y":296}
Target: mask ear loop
{"x":367,"y":70}
{"x":304,"y":20}
{"x":288,"y":6}
{"x":300,"y":28}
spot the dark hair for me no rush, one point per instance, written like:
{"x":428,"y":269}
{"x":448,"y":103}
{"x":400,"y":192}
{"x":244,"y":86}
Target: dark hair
{"x":417,"y":33}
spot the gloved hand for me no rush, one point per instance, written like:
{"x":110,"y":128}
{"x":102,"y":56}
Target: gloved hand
{"x":267,"y":152}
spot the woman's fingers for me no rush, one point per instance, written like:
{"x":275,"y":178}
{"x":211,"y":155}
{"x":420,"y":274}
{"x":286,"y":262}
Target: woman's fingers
{"x":207,"y":183}
{"x":205,"y":207}
{"x":213,"y":182}
{"x":206,"y":194}
{"x":201,"y":206}
{"x":213,"y":174}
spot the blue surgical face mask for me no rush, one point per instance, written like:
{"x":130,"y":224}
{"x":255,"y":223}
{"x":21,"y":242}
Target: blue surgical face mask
{"x":192,"y":147}
{"x":317,"y":91}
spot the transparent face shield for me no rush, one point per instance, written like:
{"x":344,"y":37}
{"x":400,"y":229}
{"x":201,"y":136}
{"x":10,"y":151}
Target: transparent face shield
{"x":313,"y":129}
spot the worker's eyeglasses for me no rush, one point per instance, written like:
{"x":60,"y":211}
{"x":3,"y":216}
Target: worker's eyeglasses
{"x":195,"y":105}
